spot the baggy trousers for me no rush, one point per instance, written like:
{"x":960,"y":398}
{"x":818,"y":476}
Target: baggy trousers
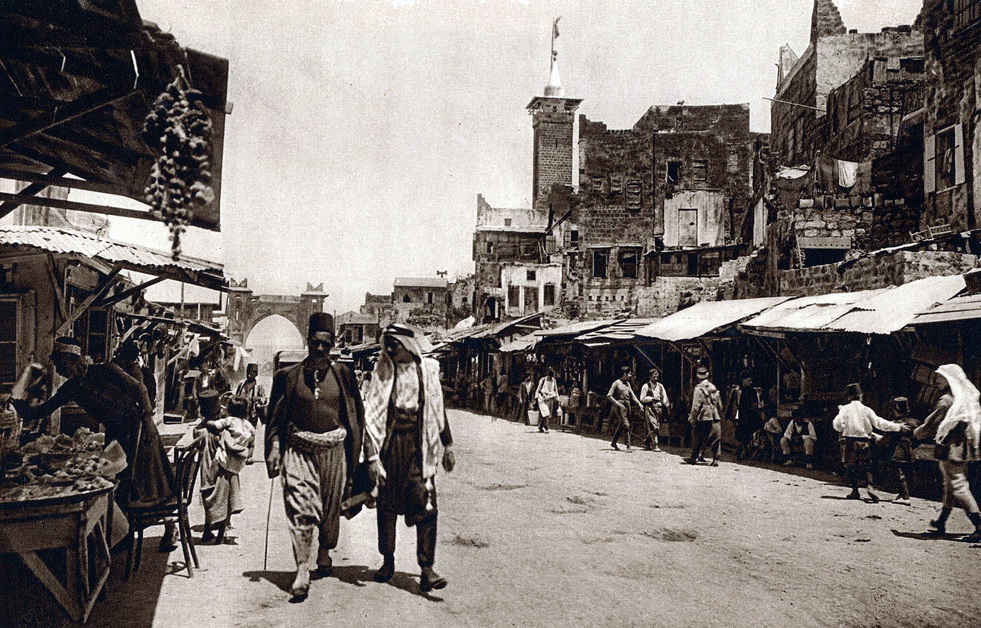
{"x":313,"y":486}
{"x":407,"y":493}
{"x":957,"y":490}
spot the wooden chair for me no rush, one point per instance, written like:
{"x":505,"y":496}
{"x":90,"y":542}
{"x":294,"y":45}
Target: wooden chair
{"x":186,"y":463}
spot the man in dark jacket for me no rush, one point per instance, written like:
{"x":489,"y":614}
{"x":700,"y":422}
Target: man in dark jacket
{"x":313,"y":441}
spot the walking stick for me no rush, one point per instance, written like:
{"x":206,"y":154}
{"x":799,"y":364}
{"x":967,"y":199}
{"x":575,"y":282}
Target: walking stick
{"x":265,"y":553}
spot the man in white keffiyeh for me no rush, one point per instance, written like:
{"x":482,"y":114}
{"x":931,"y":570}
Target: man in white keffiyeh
{"x":955,"y":425}
{"x":408,"y":437}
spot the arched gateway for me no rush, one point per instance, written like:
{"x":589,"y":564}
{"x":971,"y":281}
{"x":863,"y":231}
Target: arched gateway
{"x":245,"y":309}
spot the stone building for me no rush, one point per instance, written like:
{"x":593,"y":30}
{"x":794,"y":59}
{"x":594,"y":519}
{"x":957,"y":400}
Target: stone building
{"x":420,"y":301}
{"x":952,"y":144}
{"x":501,"y":237}
{"x":461,"y":300}
{"x":665,"y":198}
{"x":834,"y":55}
{"x":354,"y":328}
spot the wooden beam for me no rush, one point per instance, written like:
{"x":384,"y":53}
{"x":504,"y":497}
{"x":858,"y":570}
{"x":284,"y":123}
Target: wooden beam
{"x":87,"y":303}
{"x":122,"y":296}
{"x":109,"y":210}
{"x":78,"y":108}
{"x":34,"y":188}
{"x":59,"y":294}
{"x":55,"y":180}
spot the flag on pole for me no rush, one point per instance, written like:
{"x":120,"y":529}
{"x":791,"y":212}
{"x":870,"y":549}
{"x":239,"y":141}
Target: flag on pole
{"x":555,"y":27}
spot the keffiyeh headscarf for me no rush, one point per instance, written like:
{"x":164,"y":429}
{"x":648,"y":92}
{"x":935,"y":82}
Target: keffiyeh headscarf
{"x":379,"y":396}
{"x":966,"y":408}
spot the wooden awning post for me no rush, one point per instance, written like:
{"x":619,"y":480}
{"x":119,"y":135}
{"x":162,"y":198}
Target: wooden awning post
{"x":81,"y":309}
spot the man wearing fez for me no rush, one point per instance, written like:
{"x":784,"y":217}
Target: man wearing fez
{"x":313,"y":441}
{"x":119,"y":402}
{"x":408,"y":438}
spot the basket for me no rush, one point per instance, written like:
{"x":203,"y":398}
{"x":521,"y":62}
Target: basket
{"x":533,"y":416}
{"x":10,"y":427}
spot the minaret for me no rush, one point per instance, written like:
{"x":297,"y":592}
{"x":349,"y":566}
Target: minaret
{"x":553,"y":119}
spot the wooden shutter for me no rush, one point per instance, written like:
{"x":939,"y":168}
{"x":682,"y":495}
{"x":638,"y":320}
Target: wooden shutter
{"x":960,"y":175}
{"x":929,"y":164}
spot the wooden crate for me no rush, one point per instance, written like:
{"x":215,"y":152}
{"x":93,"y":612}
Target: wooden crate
{"x":10,"y":427}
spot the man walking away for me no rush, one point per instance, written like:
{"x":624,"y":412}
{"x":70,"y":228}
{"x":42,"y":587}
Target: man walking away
{"x":705,"y":418}
{"x":314,"y":441}
{"x":855,"y":422}
{"x":621,"y":395}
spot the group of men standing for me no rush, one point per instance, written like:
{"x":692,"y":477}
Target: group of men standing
{"x":334,"y":451}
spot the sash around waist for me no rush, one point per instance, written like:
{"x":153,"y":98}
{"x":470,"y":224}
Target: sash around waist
{"x":311,"y":442}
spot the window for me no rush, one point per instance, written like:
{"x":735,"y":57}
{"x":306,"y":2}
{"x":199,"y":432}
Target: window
{"x":514,"y":296}
{"x":674,"y":172}
{"x":429,"y":297}
{"x":633,"y":195}
{"x":531,"y":275}
{"x":8,"y":343}
{"x":600,"y":259}
{"x":616,"y":184}
{"x":531,"y":300}
{"x":490,"y":248}
{"x":966,"y":12}
{"x":699,"y":171}
{"x":406,"y":299}
{"x":948,"y":158}
{"x":628,"y":263}
{"x":507,"y":222}
{"x":549,"y":295}
{"x":572,"y":239}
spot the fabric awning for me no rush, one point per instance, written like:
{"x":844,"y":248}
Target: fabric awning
{"x":707,"y":317}
{"x":18,"y":240}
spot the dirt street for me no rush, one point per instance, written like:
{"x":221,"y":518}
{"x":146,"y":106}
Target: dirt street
{"x":560,"y":530}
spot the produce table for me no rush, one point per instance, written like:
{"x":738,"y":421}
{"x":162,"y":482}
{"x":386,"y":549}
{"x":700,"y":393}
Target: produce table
{"x":80,"y":524}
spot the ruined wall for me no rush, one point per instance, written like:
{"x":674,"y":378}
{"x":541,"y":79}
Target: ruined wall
{"x":866,"y":112}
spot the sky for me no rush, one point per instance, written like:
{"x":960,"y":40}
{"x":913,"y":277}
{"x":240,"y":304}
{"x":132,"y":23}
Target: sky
{"x":362,"y":131}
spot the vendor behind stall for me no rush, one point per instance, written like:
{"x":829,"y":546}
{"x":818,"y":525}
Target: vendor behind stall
{"x":117,"y":401}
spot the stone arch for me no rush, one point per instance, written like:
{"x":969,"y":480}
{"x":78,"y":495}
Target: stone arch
{"x":245,"y":309}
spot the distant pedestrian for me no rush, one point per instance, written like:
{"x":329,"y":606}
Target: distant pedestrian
{"x":898,"y":447}
{"x":621,"y":395}
{"x":705,"y":418}
{"x":955,"y":426}
{"x":747,"y":410}
{"x":547,"y":396}
{"x":656,"y":405}
{"x":855,"y":421}
{"x":254,"y":395}
{"x":526,"y":398}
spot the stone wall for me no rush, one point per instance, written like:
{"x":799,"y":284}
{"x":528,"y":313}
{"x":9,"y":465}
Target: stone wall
{"x":872,"y":272}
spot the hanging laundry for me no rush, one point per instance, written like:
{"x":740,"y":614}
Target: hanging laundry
{"x":846,"y":173}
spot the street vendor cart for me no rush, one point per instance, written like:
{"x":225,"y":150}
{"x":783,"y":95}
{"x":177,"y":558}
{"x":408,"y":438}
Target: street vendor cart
{"x":78,"y":524}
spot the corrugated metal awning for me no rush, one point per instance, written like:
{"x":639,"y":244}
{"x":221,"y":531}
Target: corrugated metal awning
{"x":18,"y":240}
{"x":881,"y":311}
{"x":893,"y":309}
{"x":707,"y":317}
{"x":965,"y":308}
{"x":618,"y":332}
{"x":575,"y":329}
{"x":522,"y":343}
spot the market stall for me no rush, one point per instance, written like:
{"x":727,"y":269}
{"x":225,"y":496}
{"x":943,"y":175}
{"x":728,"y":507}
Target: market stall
{"x":56,"y":514}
